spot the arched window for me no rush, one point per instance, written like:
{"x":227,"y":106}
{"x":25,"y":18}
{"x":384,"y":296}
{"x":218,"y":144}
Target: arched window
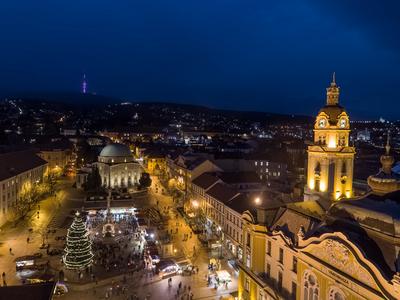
{"x":336,"y":294}
{"x":310,"y":287}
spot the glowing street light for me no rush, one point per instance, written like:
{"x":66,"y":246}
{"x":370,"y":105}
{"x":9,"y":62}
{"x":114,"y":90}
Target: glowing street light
{"x":257,"y":200}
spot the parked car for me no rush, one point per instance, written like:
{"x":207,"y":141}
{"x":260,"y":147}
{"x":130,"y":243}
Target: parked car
{"x":167,"y":268}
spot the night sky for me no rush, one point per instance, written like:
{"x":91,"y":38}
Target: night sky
{"x":264,"y":55}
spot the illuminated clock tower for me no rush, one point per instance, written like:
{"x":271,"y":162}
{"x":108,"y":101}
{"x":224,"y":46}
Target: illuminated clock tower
{"x":330,"y":158}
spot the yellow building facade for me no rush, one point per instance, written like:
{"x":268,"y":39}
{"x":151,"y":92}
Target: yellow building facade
{"x":349,"y":249}
{"x":330,"y":157}
{"x":156,"y":165}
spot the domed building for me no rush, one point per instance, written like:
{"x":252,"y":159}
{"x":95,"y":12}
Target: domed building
{"x":117,"y":167}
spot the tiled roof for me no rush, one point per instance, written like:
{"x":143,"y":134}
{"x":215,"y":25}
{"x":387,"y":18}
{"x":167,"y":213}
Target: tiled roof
{"x":14,"y":163}
{"x":239,"y":177}
{"x":240,"y":203}
{"x":39,"y":291}
{"x":221,"y":192}
{"x":205,"y":180}
{"x":290,"y":221}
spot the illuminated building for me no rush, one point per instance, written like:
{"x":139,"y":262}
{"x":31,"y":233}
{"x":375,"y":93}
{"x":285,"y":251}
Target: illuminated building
{"x":58,"y":155}
{"x":305,"y":251}
{"x":19,"y":171}
{"x":330,"y":157}
{"x":117,"y":167}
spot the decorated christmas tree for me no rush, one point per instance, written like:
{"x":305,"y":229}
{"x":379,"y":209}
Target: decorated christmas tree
{"x":78,"y":250}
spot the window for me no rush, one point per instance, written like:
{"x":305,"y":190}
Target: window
{"x":310,"y":287}
{"x":268,"y":273}
{"x":294,"y":290}
{"x":261,"y":295}
{"x":335,"y":294}
{"x":248,"y":260}
{"x":255,"y":163}
{"x":294,"y":264}
{"x":248,"y":240}
{"x":247,"y":285}
{"x":280,"y":277}
{"x":281,"y":255}
{"x":269,"y":248}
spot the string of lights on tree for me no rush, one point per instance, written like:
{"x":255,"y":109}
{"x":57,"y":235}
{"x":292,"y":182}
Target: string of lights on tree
{"x":78,"y":250}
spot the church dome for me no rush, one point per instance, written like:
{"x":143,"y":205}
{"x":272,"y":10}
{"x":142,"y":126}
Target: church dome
{"x":116,"y":150}
{"x":333,"y":112}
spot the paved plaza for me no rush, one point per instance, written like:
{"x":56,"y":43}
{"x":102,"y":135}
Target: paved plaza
{"x":119,"y":271}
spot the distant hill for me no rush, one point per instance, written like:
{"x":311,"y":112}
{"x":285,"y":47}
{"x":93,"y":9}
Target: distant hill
{"x":68,"y":98}
{"x":153,"y":114}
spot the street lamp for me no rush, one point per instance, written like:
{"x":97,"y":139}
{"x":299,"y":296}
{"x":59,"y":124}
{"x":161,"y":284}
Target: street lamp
{"x":257,"y":200}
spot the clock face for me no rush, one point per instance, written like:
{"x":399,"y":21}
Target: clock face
{"x":343,"y":123}
{"x":322,"y":123}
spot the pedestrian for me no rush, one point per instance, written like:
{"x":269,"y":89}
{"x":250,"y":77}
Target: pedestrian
{"x":27,"y":240}
{"x":10,"y":250}
{"x":3,"y":275}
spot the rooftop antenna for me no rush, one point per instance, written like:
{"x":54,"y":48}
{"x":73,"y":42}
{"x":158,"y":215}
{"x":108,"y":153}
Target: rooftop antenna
{"x":84,"y":84}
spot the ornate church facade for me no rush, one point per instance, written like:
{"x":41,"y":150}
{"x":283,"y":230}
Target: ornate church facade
{"x":308,"y":250}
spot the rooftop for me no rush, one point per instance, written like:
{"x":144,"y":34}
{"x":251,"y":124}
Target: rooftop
{"x":14,"y":163}
{"x":116,"y":150}
{"x":205,"y":180}
{"x":222,"y":192}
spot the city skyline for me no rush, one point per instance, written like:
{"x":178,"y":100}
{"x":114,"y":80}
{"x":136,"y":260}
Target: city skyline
{"x":263,"y":56}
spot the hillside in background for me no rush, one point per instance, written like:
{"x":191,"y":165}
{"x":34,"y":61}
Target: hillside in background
{"x":94,"y":112}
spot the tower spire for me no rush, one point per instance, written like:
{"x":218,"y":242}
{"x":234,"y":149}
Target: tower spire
{"x":332,"y":92}
{"x":84,"y":84}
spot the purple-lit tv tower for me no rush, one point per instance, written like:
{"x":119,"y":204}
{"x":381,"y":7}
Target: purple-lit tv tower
{"x":84,"y":84}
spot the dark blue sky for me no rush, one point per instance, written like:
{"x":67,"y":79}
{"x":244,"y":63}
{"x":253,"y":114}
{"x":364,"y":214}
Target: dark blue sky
{"x":253,"y":55}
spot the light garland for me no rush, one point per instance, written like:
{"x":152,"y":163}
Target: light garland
{"x":78,"y":250}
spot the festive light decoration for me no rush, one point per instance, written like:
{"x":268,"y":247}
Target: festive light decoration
{"x":78,"y":250}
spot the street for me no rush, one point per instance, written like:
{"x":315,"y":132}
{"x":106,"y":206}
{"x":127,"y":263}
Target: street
{"x":54,"y":213}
